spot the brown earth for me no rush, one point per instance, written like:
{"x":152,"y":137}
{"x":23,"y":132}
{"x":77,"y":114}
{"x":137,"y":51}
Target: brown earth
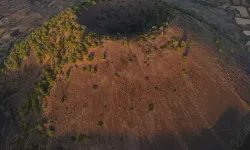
{"x":195,"y":102}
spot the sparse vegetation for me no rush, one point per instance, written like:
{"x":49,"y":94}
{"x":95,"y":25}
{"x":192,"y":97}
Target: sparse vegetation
{"x":90,"y":56}
{"x":87,"y":69}
{"x":104,"y":56}
{"x":62,"y":40}
{"x":156,"y":88}
{"x":51,"y":131}
{"x":68,"y":72}
{"x":182,"y":44}
{"x":95,"y":69}
{"x":125,"y":43}
{"x":183,"y":72}
{"x":147,"y":52}
{"x":116,"y":74}
{"x":82,"y":137}
{"x":48,"y":41}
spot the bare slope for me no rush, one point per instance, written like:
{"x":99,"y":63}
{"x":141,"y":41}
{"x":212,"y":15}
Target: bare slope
{"x":194,"y":103}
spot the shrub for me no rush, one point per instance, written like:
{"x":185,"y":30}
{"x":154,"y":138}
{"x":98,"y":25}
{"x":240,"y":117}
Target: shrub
{"x":67,"y":45}
{"x":63,"y":98}
{"x":125,"y":43}
{"x":183,"y":73}
{"x":84,"y":69}
{"x":51,"y":131}
{"x":148,"y":51}
{"x":150,"y":107}
{"x":95,"y":69}
{"x":95,"y":86}
{"x":100,"y":123}
{"x":68,"y":72}
{"x":82,"y":137}
{"x":89,"y":68}
{"x":90,"y":56}
{"x":104,"y":56}
{"x":40,"y":127}
{"x":116,"y":74}
{"x":182,"y":44}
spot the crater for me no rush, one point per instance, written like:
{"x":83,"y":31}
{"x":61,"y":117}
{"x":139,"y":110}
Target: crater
{"x":122,"y":17}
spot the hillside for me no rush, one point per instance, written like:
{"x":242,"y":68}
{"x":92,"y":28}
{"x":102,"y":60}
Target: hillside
{"x":125,"y":75}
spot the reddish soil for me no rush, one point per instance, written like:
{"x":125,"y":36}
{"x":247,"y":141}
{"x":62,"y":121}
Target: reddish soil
{"x":196,"y":104}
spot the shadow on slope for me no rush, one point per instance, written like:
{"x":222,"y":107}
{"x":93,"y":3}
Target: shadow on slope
{"x":217,"y":137}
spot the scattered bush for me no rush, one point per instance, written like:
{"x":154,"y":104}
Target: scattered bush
{"x":40,"y":127}
{"x":104,"y":56}
{"x":90,"y":56}
{"x":183,"y":73}
{"x":87,"y":69}
{"x":61,"y":38}
{"x":95,"y":86}
{"x":95,"y":69}
{"x":125,"y":43}
{"x":156,"y":88}
{"x":100,"y":123}
{"x":182,"y":44}
{"x":84,"y":69}
{"x":147,"y":52}
{"x":51,"y":131}
{"x":63,"y":98}
{"x":68,"y":72}
{"x":116,"y":74}
{"x":150,"y":107}
{"x":82,"y":137}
